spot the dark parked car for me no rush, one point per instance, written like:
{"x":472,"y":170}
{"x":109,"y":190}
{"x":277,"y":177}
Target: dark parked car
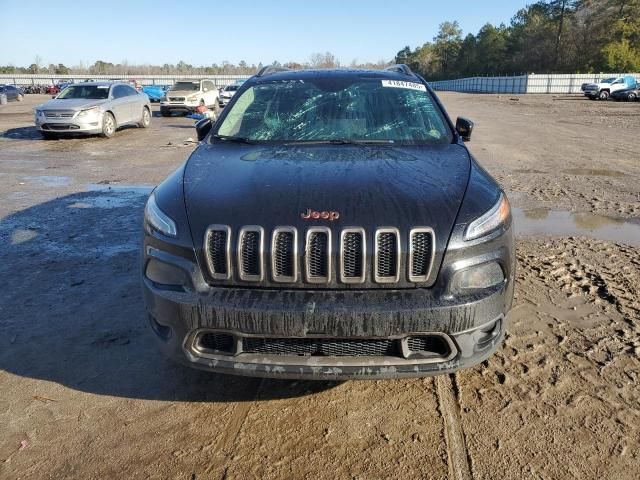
{"x":629,"y":94}
{"x":11,"y":92}
{"x":330,"y":225}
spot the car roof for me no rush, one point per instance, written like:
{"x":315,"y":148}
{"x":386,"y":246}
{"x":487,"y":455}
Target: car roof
{"x":336,"y":73}
{"x":100,"y":83}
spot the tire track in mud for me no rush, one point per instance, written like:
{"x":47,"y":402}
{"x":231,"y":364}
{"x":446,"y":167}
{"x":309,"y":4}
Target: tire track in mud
{"x":233,"y":427}
{"x":457,"y":453}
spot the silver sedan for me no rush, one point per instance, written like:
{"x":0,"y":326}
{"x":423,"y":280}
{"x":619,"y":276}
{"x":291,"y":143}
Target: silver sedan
{"x":93,"y":108}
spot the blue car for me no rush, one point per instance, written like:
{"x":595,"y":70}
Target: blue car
{"x":156,"y":93}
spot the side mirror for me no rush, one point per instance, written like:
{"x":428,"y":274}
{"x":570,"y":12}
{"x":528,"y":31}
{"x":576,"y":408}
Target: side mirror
{"x":203,"y":127}
{"x":464,"y":127}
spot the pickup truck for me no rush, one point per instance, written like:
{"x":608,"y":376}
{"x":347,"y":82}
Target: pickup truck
{"x":603,"y":90}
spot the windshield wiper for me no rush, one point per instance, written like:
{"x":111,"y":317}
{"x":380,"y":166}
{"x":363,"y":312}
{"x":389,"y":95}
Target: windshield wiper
{"x":231,"y":138}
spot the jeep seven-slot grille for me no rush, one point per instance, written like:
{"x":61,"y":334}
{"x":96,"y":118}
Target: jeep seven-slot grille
{"x":396,"y":257}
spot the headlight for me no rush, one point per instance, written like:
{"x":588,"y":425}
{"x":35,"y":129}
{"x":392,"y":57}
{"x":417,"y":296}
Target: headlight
{"x":491,"y":220}
{"x":88,"y":111}
{"x":159,"y":220}
{"x":39,"y":113}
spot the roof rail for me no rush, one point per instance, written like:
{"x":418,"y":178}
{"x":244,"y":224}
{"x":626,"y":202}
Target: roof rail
{"x":400,"y":68}
{"x":271,"y":69}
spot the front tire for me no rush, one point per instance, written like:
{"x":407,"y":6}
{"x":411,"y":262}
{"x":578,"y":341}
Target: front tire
{"x":108,"y":125}
{"x":603,"y":95}
{"x":631,"y":97}
{"x":165,"y":112}
{"x":146,"y":118}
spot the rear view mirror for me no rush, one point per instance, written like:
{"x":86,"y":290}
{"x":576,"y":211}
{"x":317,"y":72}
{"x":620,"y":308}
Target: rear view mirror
{"x":464,"y":127}
{"x":203,"y":127}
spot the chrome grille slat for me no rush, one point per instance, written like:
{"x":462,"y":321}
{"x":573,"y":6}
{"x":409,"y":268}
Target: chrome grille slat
{"x":421,"y":253}
{"x":284,"y":254}
{"x":217,"y":242}
{"x":387,"y":255}
{"x":250,"y":253}
{"x":318,"y":255}
{"x":353,"y":255}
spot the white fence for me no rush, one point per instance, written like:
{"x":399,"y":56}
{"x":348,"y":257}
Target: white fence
{"x":569,"y":83}
{"x":28,"y":79}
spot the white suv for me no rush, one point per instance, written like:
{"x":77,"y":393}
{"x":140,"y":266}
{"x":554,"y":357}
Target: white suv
{"x":186,"y":95}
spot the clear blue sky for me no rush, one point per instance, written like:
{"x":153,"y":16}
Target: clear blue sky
{"x":202,"y":33}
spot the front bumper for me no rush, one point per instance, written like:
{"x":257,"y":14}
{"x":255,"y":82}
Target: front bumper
{"x":90,"y":125}
{"x":473,"y":327}
{"x":175,"y":106}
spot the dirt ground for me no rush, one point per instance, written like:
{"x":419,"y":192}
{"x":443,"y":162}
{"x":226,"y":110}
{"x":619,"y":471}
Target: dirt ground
{"x":86,"y":394}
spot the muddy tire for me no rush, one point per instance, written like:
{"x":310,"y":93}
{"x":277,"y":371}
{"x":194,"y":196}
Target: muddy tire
{"x":603,"y":95}
{"x":108,"y":125}
{"x":146,"y":118}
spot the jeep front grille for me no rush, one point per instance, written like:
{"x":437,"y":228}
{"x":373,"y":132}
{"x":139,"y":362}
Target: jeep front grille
{"x":395,"y":257}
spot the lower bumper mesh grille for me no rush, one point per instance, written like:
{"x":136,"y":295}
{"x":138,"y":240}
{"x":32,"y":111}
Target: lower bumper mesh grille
{"x":320,"y":347}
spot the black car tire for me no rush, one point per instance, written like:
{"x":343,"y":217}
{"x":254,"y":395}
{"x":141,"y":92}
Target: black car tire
{"x":165,"y":112}
{"x":603,"y":95}
{"x":146,"y":118}
{"x":631,"y":97}
{"x":108,"y":125}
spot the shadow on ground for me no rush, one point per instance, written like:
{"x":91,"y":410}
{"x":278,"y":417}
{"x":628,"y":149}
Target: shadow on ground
{"x":72,"y":310}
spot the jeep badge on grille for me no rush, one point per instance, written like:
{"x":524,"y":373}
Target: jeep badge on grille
{"x":313,"y":214}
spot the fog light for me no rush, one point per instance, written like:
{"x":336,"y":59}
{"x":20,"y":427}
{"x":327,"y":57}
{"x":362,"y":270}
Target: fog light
{"x":166,"y":275}
{"x":477,"y":277}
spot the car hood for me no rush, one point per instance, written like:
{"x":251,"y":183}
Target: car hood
{"x":71,"y":104}
{"x":369,"y":186}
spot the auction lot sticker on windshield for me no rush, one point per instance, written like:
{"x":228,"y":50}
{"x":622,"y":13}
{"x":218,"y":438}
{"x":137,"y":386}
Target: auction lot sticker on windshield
{"x":401,"y":84}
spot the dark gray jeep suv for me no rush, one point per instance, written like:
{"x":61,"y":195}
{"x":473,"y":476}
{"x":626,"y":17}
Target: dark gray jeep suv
{"x":330,"y":225}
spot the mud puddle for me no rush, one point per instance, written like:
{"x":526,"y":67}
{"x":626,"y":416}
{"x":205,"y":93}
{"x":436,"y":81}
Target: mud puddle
{"x":543,"y":221}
